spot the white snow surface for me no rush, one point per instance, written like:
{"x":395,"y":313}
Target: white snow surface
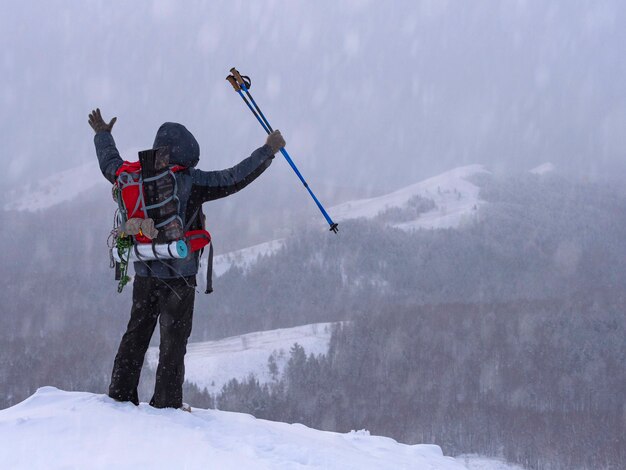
{"x":478,"y":462}
{"x":543,"y":169}
{"x":212,"y":364}
{"x":244,"y":258}
{"x":57,"y":188}
{"x":456,"y":200}
{"x":54,"y":430}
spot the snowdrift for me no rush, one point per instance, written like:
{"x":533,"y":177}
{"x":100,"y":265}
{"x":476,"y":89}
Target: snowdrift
{"x":54,"y":429}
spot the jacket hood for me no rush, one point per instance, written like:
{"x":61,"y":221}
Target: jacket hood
{"x":184,"y":148}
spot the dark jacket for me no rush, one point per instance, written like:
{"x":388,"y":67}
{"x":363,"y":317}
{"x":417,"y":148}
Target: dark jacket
{"x":194,"y":186}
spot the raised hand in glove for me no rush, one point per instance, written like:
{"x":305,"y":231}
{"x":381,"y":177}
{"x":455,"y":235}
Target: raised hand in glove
{"x":97,"y":123}
{"x":275,"y":141}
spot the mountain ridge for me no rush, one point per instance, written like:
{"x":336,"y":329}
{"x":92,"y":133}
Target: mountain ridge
{"x":447,"y":200}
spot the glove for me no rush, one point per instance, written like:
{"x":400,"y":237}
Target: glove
{"x":97,"y":123}
{"x":275,"y":141}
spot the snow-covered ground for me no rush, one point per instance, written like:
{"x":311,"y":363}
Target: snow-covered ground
{"x":543,"y":169}
{"x":54,"y":429}
{"x":245,"y":257}
{"x":455,"y":197}
{"x":57,"y":188}
{"x":212,"y":364}
{"x":478,"y":462}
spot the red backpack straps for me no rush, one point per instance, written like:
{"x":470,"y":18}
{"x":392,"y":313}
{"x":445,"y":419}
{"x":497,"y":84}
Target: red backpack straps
{"x":131,"y":196}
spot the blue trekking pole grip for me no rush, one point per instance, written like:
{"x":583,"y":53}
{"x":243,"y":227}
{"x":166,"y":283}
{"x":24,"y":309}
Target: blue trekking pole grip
{"x":241,"y":84}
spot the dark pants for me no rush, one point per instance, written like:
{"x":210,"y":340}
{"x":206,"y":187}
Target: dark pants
{"x":173,"y":307}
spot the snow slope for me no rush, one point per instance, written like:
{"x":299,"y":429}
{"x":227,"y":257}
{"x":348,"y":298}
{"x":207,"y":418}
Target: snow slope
{"x":54,"y":429}
{"x":245,"y":257}
{"x":212,"y":364}
{"x":455,"y":198}
{"x":56,"y":188}
{"x":478,"y":462}
{"x":543,"y":169}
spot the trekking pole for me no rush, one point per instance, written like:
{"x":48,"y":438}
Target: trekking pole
{"x":242,"y":84}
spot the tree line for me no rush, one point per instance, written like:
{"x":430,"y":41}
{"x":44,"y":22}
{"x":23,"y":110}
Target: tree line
{"x":540,"y":383}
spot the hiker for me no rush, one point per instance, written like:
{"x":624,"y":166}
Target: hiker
{"x":165,"y":292}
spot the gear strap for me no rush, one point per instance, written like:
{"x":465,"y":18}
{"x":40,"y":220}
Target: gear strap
{"x":209,"y":266}
{"x":209,"y":271}
{"x":192,"y":219}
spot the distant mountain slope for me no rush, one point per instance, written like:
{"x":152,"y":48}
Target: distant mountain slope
{"x":451,"y":192}
{"x":543,"y":169}
{"x":55,"y":189}
{"x":454,"y":199}
{"x":444,"y":201}
{"x":245,"y":257}
{"x":54,"y":429}
{"x":212,"y":364}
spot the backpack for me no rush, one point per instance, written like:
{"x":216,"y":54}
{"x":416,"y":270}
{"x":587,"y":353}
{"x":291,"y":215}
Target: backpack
{"x":148,"y":226}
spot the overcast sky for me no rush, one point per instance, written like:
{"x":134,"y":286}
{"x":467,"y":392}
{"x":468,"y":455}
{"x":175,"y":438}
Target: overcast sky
{"x":369,"y":95}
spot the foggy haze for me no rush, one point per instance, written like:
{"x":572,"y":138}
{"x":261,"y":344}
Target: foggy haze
{"x":473,"y":153}
{"x":369,"y":95}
